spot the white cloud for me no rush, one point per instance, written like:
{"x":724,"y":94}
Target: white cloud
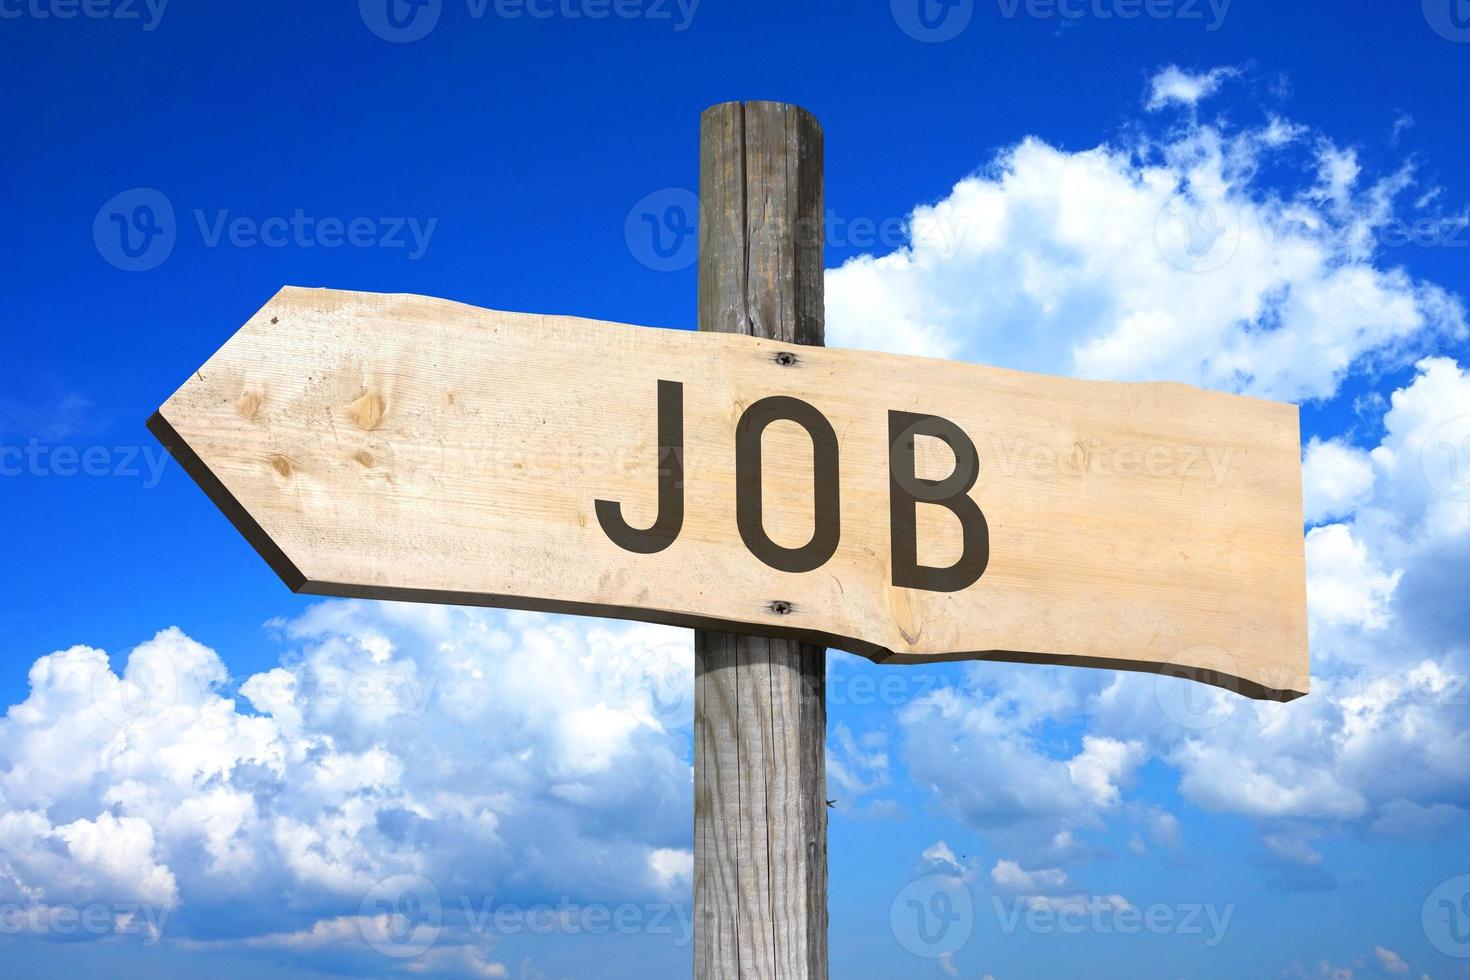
{"x":1390,"y":960}
{"x":1424,"y":460}
{"x":1103,"y":764}
{"x":1336,"y":479}
{"x":1164,"y":829}
{"x":372,"y":942}
{"x":1174,"y":85}
{"x":448,"y":743}
{"x":976,"y":748}
{"x":1292,"y":850}
{"x":672,"y":867}
{"x":854,"y":769}
{"x":939,"y":854}
{"x":1218,"y":775}
{"x":1343,"y":583}
{"x":1408,"y":820}
{"x":1009,"y":876}
{"x":74,"y":863}
{"x":1154,"y":259}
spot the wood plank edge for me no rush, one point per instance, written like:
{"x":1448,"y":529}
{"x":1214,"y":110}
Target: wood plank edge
{"x":329,"y":301}
{"x":878,"y":654}
{"x":216,"y":491}
{"x":1255,"y":690}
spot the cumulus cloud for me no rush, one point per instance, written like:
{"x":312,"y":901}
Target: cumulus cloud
{"x":982,"y":749}
{"x":1344,"y":583}
{"x":1102,"y":766}
{"x":1164,"y":829}
{"x":672,"y":867}
{"x":1174,"y":85}
{"x":939,"y":855}
{"x":1155,"y":258}
{"x":1412,"y":821}
{"x":1293,"y":850}
{"x":1009,"y":876}
{"x":1390,"y":960}
{"x":451,"y":744}
{"x":856,"y":769}
{"x":1080,"y":905}
{"x":1336,"y":479}
{"x":76,"y":864}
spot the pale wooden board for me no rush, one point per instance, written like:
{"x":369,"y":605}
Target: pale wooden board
{"x":404,"y":447}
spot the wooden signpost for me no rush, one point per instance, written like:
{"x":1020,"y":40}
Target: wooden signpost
{"x":790,"y":495}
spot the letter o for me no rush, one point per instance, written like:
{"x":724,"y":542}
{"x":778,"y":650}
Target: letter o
{"x":826,"y":495}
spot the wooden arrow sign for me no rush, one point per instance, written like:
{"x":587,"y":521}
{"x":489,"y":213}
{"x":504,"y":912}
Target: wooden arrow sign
{"x":907,"y":509}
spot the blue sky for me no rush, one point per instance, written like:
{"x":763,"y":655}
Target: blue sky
{"x":1259,"y":197}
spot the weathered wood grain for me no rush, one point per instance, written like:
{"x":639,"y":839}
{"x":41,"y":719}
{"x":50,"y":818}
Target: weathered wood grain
{"x":760,"y":819}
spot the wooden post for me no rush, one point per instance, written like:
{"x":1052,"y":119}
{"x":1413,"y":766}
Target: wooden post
{"x":760,"y":714}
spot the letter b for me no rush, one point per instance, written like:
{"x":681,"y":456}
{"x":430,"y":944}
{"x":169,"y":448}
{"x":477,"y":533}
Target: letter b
{"x":906,"y":491}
